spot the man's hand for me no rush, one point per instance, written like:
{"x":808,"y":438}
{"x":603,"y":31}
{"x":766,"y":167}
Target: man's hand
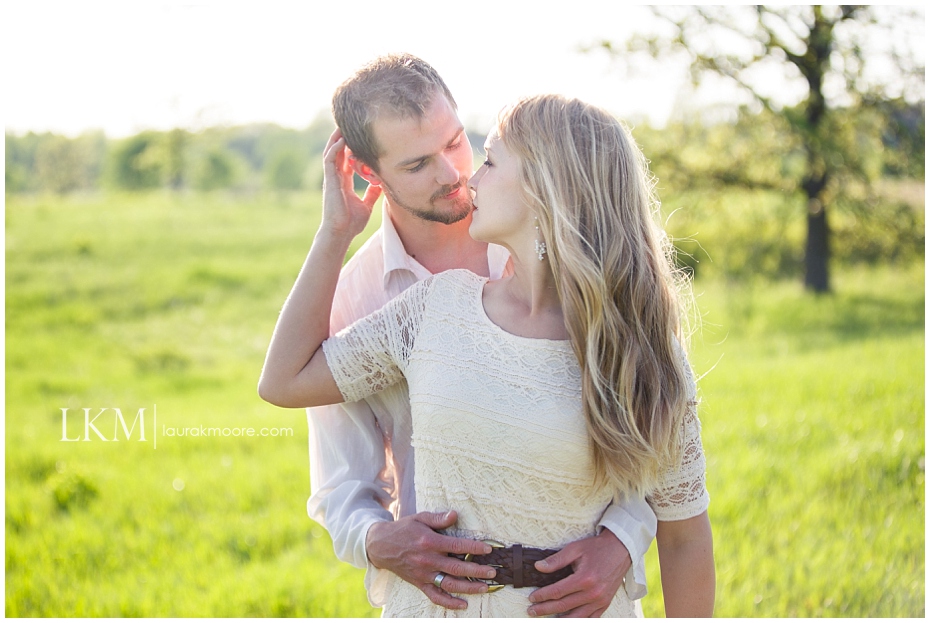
{"x":600,"y":563}
{"x":343,"y":211}
{"x":412,"y":549}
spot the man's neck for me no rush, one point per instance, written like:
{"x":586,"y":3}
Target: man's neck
{"x":438,"y":247}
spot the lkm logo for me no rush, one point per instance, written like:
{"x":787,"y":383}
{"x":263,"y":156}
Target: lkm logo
{"x":96,"y":427}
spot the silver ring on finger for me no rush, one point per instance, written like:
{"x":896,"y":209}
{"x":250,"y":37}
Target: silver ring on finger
{"x":437,"y":581}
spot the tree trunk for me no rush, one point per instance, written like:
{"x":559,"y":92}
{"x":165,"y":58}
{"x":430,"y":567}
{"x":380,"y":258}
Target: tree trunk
{"x":817,"y":255}
{"x":814,"y":65}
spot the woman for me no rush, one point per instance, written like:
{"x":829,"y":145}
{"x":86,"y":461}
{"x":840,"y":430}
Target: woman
{"x":539,"y":397}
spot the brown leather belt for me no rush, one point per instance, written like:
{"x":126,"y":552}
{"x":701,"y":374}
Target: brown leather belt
{"x":515,"y":566}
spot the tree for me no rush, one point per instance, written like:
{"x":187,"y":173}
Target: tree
{"x":20,"y":159}
{"x":832,"y":52}
{"x":285,"y":170}
{"x":215,"y":169}
{"x":137,"y":162}
{"x":174,"y":145}
{"x":63,"y":164}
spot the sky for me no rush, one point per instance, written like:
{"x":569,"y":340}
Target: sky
{"x":127,"y":66}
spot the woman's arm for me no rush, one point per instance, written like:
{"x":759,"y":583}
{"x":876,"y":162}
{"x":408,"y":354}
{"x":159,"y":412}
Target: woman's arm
{"x":686,"y":560}
{"x":295,"y":373}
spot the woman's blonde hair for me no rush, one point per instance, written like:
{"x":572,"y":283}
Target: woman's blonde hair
{"x":589,"y":186}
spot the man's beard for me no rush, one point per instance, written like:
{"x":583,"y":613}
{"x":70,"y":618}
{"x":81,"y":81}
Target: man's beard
{"x":461,"y":208}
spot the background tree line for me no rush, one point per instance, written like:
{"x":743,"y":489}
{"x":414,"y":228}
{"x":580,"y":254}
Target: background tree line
{"x":731,"y":188}
{"x":244,"y":158}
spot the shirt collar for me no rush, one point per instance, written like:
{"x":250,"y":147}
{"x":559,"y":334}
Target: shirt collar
{"x":499,"y":262}
{"x":396,"y":257}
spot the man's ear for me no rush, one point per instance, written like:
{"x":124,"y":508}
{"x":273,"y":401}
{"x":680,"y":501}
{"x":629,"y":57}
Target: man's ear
{"x":363,"y":170}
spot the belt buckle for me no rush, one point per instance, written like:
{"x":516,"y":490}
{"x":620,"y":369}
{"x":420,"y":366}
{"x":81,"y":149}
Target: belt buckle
{"x":492,"y":585}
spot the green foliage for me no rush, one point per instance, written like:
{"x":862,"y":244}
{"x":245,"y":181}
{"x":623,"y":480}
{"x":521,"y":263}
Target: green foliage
{"x":285,"y":171}
{"x":53,"y":163}
{"x":240,"y":157}
{"x":137,"y":163}
{"x":730,"y":189}
{"x":904,"y":135}
{"x":58,"y":165}
{"x":216,"y":168}
{"x":885,"y":226}
{"x":19,"y":158}
{"x":834,"y":49}
{"x":730,"y":195}
{"x":812,"y":411}
{"x":174,"y":147}
{"x":740,"y":235}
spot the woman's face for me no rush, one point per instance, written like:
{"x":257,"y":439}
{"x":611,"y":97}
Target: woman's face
{"x":501,"y":212}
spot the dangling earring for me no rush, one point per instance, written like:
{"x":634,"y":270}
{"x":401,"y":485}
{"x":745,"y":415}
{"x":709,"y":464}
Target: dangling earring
{"x":540,"y":246}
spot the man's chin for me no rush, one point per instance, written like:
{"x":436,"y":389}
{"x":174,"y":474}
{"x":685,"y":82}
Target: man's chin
{"x":440,"y":210}
{"x":447,"y":216}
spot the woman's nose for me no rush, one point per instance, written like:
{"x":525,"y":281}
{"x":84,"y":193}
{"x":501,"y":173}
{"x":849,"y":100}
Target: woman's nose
{"x":473,"y":180}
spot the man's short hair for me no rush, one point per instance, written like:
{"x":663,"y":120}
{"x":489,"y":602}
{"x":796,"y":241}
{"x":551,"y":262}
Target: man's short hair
{"x":397,"y":84}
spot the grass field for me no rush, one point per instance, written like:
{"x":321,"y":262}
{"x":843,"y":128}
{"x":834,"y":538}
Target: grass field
{"x":813,"y":414}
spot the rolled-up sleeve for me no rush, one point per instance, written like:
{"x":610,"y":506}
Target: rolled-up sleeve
{"x":633,"y":522}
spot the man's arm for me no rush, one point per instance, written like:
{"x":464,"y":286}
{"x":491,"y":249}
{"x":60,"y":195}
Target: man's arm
{"x":349,"y":499}
{"x":346,"y":459}
{"x":633,"y":521}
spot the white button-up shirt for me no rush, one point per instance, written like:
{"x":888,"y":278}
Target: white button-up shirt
{"x":361,"y":459}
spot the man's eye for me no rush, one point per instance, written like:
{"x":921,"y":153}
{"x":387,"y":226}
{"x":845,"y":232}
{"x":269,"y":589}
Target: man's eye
{"x":417,"y":168}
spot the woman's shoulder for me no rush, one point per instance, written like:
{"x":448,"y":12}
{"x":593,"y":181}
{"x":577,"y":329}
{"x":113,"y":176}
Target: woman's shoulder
{"x":449,"y":290}
{"x":448,"y":285}
{"x":457,"y":281}
{"x":460,"y":275}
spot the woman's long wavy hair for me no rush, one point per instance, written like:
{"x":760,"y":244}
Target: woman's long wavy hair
{"x":589,"y":186}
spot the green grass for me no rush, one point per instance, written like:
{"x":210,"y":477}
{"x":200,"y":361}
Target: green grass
{"x":812,"y":411}
{"x":813,"y":415}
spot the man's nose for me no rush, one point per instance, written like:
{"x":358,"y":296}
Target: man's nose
{"x":448,"y":174}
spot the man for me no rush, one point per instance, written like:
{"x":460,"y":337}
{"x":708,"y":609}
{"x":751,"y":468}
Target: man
{"x":399,"y":122}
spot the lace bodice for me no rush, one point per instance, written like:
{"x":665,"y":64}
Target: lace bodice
{"x":497,"y":428}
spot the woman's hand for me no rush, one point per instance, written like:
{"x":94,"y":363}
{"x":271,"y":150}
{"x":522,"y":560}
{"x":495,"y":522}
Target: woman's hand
{"x":344,"y":214}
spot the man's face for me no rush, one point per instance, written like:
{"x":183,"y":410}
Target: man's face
{"x":426,"y":163}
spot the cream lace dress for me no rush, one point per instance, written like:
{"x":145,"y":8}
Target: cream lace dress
{"x":497,"y":431}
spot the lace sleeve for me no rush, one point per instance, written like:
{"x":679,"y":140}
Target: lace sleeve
{"x":371,"y":354}
{"x":682,"y":493}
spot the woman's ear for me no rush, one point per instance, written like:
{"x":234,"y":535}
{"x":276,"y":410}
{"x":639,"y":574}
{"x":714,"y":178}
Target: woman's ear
{"x":364,"y":171}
